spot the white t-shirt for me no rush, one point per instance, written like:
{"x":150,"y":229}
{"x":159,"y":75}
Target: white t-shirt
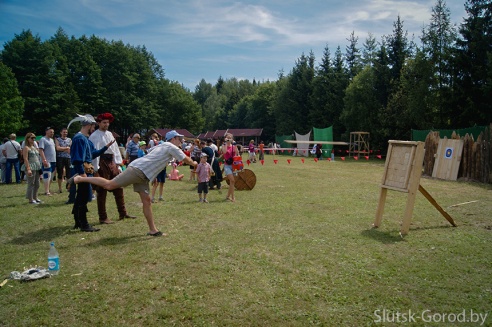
{"x":48,"y":146}
{"x":100,"y":139}
{"x":157,"y":159}
{"x":12,"y":148}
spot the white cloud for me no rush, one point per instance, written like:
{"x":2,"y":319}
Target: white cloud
{"x":221,"y":37}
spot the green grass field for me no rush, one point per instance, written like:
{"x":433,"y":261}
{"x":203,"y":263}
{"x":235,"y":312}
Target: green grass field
{"x":297,"y":250}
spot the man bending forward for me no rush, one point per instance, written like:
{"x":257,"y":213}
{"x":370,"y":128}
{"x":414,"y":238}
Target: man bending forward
{"x":141,"y":171}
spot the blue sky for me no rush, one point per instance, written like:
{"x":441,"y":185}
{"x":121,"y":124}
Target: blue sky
{"x":211,"y":38}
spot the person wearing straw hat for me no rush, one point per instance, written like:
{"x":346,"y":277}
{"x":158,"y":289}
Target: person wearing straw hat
{"x":141,"y":171}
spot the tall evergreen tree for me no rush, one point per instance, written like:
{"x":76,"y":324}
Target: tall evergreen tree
{"x":361,"y":106}
{"x":392,"y":114}
{"x":418,"y":99}
{"x":474,"y":48}
{"x":438,"y":41}
{"x":369,"y":51}
{"x":293,"y":105}
{"x":398,"y":49}
{"x":219,"y":84}
{"x":340,"y":81}
{"x":352,"y":56}
{"x":321,"y":114}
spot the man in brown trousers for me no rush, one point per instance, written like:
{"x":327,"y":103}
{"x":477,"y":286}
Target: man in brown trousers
{"x":107,"y":166}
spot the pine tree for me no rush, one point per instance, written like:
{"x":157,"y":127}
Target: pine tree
{"x":352,"y":56}
{"x":438,"y":41}
{"x":321,"y":99}
{"x":398,"y":49}
{"x":474,"y":49}
{"x":293,"y":105}
{"x":369,"y":52}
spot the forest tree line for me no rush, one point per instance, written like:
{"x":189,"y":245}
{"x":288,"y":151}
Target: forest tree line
{"x":386,"y":87}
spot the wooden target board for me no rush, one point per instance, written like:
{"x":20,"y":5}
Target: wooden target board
{"x":399,"y":165}
{"x":244,"y":180}
{"x":402,"y":171}
{"x":448,"y":158}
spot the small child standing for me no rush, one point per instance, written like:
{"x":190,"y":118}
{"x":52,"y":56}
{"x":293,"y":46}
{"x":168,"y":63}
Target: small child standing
{"x":203,"y":170}
{"x":141,"y":149}
{"x":158,"y":182}
{"x":252,"y":151}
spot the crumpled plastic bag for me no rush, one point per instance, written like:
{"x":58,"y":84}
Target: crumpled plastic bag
{"x":30,"y":274}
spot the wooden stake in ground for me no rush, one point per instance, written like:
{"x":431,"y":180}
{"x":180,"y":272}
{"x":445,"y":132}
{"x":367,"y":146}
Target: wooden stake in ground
{"x":463,"y":203}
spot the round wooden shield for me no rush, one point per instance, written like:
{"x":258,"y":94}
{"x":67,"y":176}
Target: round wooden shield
{"x":244,"y":180}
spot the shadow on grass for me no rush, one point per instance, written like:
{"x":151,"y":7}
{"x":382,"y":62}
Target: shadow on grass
{"x":14,"y":203}
{"x":46,"y":234}
{"x":384,"y":237}
{"x":117,"y":240}
{"x":56,"y":205}
{"x":11,"y":205}
{"x":394,"y":236}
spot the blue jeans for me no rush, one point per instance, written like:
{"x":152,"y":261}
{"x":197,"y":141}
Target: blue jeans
{"x":8,"y":173}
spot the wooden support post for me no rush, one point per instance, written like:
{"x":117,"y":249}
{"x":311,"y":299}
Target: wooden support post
{"x":380,"y":209}
{"x":407,"y":216}
{"x":413,"y":177}
{"x":436,"y":205}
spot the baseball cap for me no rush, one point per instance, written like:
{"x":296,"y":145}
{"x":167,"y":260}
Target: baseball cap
{"x":141,"y":143}
{"x":171,"y":134}
{"x":203,"y":155}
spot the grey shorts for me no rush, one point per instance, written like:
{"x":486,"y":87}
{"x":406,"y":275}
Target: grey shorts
{"x":135,"y":177}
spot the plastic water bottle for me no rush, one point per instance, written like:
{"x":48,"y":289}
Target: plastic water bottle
{"x":53,"y":260}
